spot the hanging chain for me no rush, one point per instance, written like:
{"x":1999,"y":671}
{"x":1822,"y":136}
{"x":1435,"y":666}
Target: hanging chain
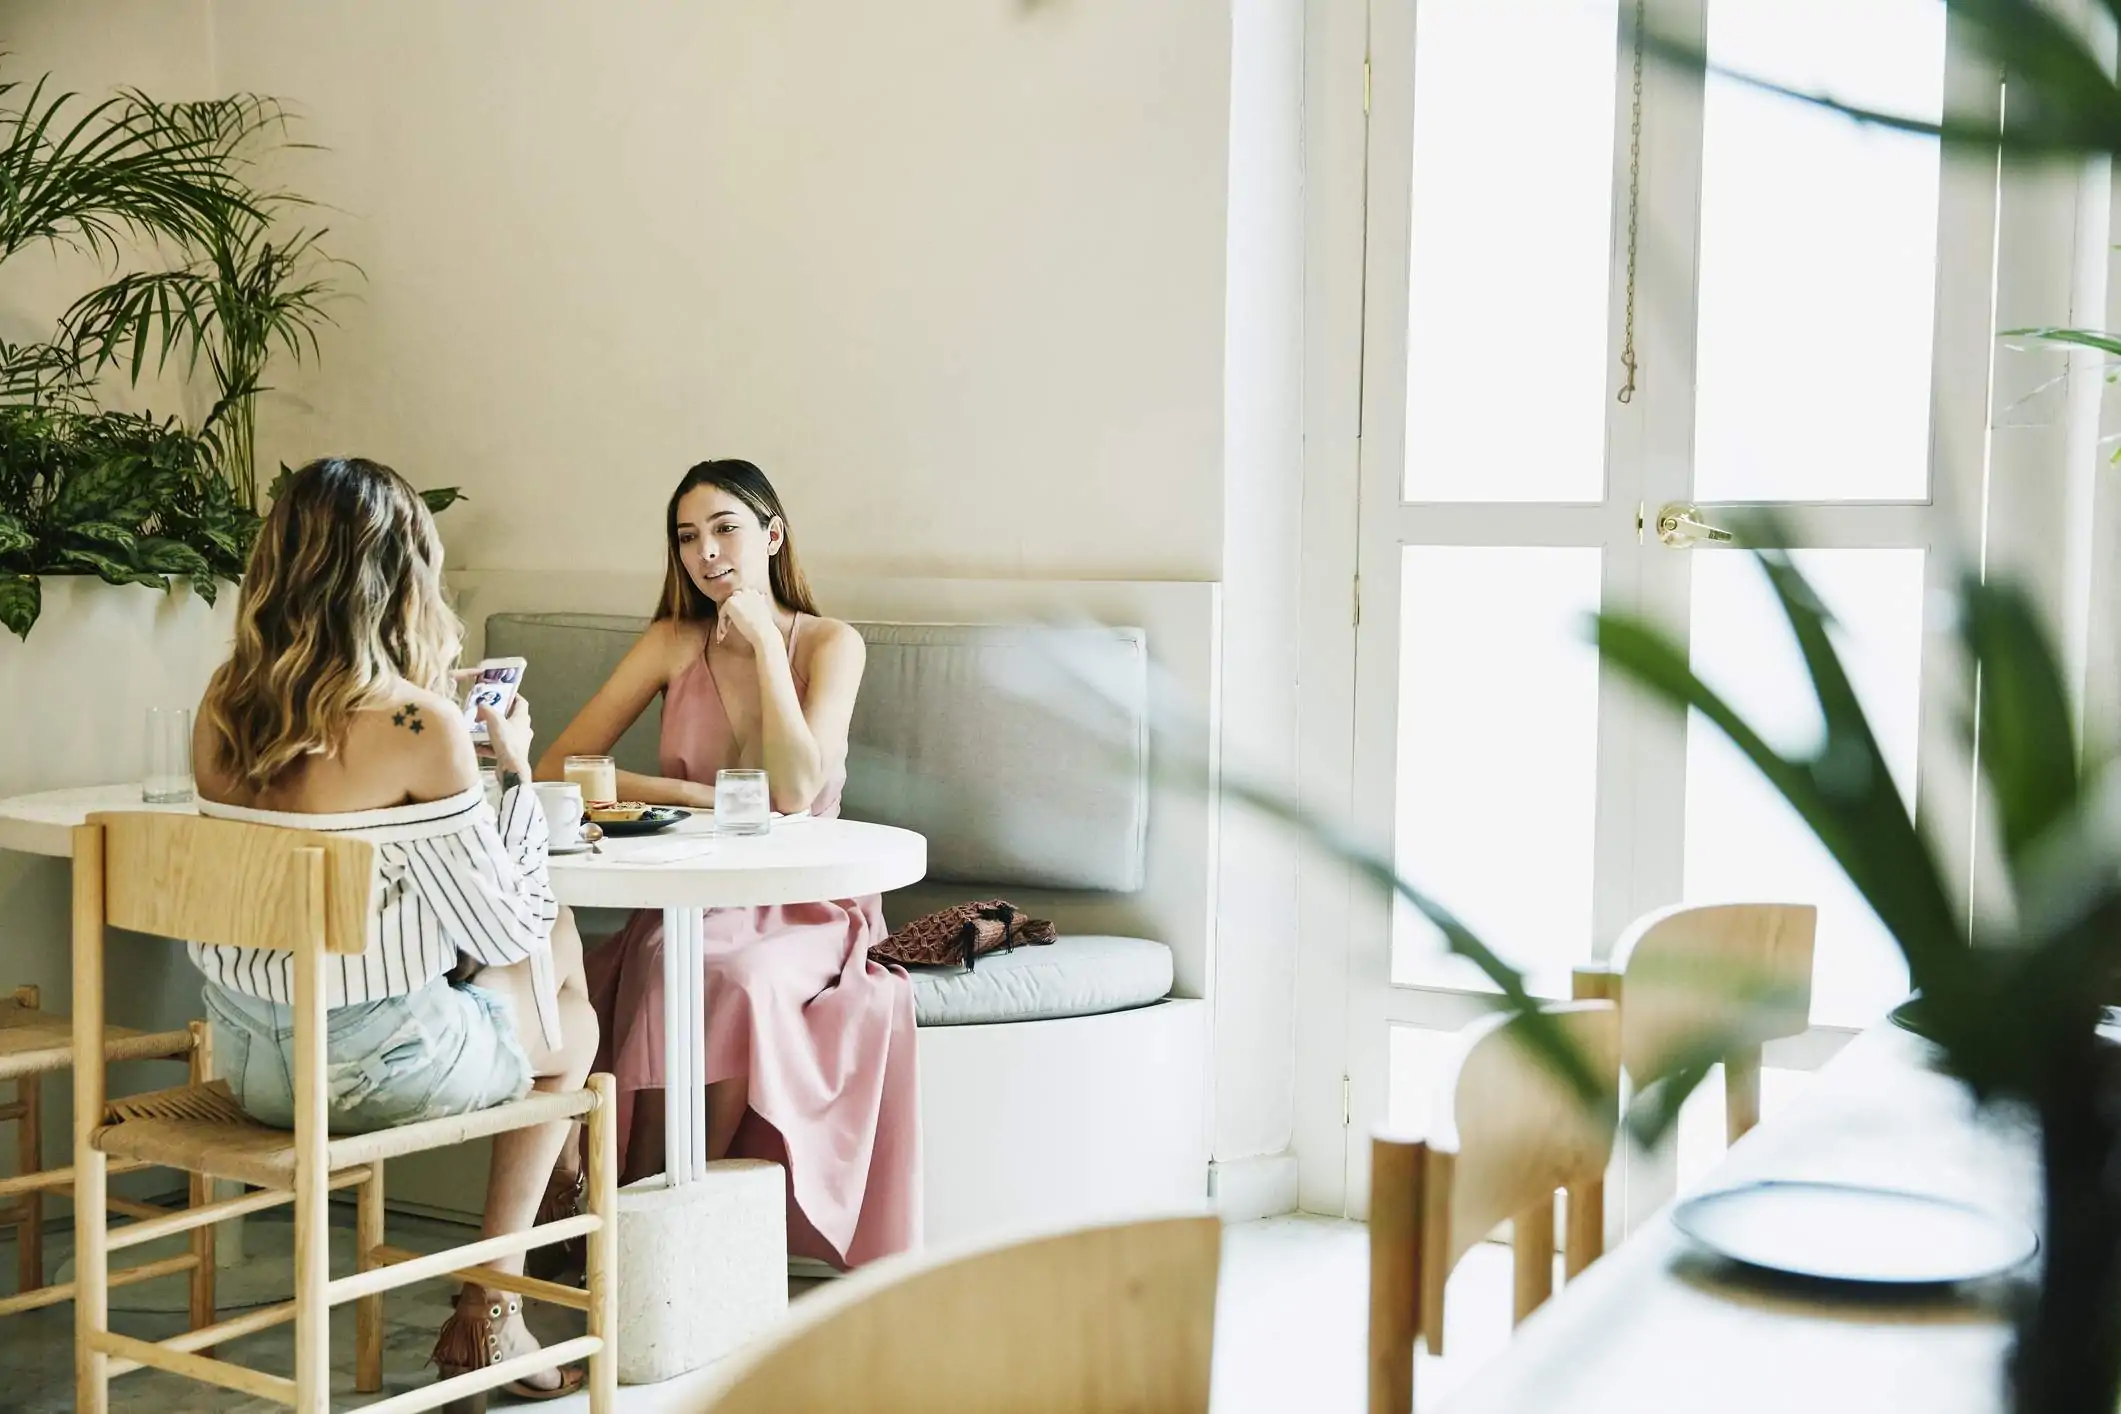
{"x":1627,"y":348}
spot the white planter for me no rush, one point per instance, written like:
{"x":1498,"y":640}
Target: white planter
{"x":74,"y":695}
{"x":73,"y":711}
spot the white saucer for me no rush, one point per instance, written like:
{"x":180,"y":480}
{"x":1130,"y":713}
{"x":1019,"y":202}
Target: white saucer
{"x":578,"y":847}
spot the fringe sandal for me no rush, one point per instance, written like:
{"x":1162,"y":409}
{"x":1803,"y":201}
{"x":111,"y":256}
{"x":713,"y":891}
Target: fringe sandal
{"x":564,"y":1262}
{"x":486,"y":1336}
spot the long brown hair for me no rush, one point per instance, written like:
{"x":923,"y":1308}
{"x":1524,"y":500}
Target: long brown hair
{"x":682,"y":599}
{"x":343,"y":594}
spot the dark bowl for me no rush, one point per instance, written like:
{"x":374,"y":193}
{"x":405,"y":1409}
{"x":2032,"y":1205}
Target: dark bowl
{"x":657,"y":817}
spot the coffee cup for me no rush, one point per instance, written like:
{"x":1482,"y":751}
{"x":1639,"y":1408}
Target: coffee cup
{"x":563,"y":810}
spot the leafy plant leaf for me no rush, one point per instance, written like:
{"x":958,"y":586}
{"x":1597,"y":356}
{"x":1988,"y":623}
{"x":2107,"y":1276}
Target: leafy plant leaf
{"x":21,"y":600}
{"x":2062,"y":99}
{"x":103,"y":532}
{"x":2028,"y":730}
{"x":15,"y":537}
{"x":2083,"y":338}
{"x":1844,"y":793}
{"x":171,"y":557}
{"x":441,"y":498}
{"x":110,"y":570}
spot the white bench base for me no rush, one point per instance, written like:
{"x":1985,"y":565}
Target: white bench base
{"x":1043,"y":1124}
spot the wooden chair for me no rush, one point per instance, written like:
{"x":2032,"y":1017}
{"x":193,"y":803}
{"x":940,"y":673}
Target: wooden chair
{"x":34,"y":1044}
{"x":1685,"y":976}
{"x":260,"y":886}
{"x":1508,"y":1131}
{"x":1097,"y":1321}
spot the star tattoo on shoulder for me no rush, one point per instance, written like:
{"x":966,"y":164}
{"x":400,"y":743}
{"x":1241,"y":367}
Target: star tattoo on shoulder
{"x":408,"y":717}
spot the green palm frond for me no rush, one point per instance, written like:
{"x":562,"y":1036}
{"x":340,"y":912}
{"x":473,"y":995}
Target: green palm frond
{"x":93,"y":176}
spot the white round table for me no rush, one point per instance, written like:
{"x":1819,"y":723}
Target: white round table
{"x":686,"y":869}
{"x":681,"y":870}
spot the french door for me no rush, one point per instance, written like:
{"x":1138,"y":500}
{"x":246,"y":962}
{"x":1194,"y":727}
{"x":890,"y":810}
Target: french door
{"x":1806,"y":307}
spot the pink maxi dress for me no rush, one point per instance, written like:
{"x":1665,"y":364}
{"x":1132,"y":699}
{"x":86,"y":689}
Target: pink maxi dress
{"x":794,"y":1003}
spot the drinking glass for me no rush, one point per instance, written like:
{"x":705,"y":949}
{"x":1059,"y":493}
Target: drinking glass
{"x":168,"y":756}
{"x":741,"y":806}
{"x":598,"y":776}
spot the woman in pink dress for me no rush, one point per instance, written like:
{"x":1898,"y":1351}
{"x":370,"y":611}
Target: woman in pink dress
{"x":810,"y":1045}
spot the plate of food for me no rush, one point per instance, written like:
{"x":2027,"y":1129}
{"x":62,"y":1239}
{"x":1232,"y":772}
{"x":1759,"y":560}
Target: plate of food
{"x":633,"y":817}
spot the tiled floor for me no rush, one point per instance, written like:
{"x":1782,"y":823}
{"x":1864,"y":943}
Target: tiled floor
{"x":1289,"y":1330}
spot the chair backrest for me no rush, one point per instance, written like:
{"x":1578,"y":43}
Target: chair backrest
{"x":1687,"y":977}
{"x":1511,"y":1131}
{"x":234,"y":884}
{"x":1095,"y":1321}
{"x":1508,"y":1131}
{"x":231,"y":884}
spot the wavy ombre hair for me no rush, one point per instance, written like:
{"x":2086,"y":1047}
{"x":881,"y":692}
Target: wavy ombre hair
{"x":343,"y":596}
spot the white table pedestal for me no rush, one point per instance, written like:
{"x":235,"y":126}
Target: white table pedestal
{"x":684,"y":1045}
{"x":705,"y":1266}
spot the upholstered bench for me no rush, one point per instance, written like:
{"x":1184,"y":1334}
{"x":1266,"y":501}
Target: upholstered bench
{"x":1059,"y":1083}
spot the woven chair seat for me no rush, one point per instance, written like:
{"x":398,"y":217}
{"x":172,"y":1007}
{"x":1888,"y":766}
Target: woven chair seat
{"x":39,"y":1042}
{"x":198,"y":1128}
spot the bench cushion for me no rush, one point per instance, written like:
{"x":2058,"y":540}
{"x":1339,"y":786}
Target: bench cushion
{"x":1075,"y":976}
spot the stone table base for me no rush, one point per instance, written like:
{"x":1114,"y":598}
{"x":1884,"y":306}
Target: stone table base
{"x":702,"y":1267}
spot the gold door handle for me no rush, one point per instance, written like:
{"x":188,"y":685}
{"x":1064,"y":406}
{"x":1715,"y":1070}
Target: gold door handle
{"x":1680,"y":526}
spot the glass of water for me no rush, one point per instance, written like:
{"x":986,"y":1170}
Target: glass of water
{"x":168,"y":756}
{"x":741,"y":806}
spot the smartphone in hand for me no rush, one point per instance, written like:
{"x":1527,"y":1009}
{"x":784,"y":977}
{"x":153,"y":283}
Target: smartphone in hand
{"x":494,"y":683}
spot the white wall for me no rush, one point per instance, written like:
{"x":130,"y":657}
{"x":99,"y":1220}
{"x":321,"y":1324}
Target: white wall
{"x":951,"y":271}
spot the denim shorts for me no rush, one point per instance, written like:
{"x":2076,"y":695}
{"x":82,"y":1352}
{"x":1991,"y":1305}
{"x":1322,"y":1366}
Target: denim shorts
{"x":441,"y":1050}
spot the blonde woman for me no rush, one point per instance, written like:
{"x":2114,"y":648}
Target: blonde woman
{"x":335,"y":712}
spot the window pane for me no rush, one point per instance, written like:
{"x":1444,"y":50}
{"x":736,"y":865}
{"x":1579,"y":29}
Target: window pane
{"x":1498,"y":755}
{"x":1742,"y":843}
{"x":1416,"y":1057}
{"x":1512,"y":239}
{"x":1818,"y":254}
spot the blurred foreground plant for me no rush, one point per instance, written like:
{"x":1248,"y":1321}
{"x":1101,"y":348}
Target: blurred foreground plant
{"x":2013,"y":1009}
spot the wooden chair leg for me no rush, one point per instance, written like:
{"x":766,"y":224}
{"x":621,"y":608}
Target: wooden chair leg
{"x":1532,"y":1247}
{"x":1586,"y":1236}
{"x":312,"y":1166}
{"x":602,"y":1164}
{"x":1396,"y":1168}
{"x":91,"y":1282}
{"x":1741,"y":1093}
{"x":91,"y":1175}
{"x":201,"y":1192}
{"x":368,"y":1310}
{"x":29,"y":1154}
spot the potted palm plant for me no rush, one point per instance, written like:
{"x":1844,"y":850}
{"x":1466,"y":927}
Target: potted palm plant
{"x":127,"y":499}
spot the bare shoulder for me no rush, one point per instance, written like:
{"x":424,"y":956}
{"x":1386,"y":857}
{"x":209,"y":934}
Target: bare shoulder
{"x":672,"y":644}
{"x":416,"y":738}
{"x":833,"y":638}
